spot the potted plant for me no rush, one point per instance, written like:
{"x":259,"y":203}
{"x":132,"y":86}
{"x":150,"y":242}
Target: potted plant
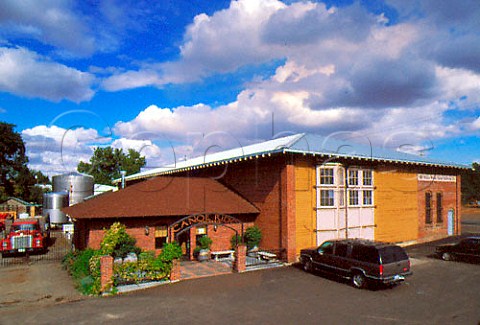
{"x":253,"y":236}
{"x":204,"y":244}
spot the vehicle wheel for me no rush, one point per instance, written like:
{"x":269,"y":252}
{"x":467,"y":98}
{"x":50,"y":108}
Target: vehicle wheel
{"x":359,"y":281}
{"x":308,"y":266}
{"x":447,"y":257}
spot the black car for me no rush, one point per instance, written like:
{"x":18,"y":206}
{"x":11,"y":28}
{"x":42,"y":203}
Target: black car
{"x":467,"y":249}
{"x":361,"y":261}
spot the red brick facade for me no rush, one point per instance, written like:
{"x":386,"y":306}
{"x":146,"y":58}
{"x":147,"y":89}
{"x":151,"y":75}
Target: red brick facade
{"x":268,"y":183}
{"x":450,"y":194}
{"x":90,"y":233}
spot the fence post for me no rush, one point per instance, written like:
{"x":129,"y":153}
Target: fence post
{"x":106,"y":272}
{"x":240,"y":263}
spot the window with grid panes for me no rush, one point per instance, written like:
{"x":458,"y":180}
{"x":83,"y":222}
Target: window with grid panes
{"x":367,"y":197}
{"x":353,"y":177}
{"x":327,"y":198}
{"x":326,"y":176}
{"x":352,"y":197}
{"x":367,"y":177}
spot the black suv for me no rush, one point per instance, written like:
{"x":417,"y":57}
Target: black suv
{"x":360,"y":260}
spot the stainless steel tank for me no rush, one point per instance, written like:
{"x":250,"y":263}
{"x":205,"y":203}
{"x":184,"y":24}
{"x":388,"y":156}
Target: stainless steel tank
{"x":52,"y":204}
{"x":78,"y":186}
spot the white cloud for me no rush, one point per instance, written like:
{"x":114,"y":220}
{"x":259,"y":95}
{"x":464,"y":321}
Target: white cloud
{"x":25,"y":73}
{"x":55,"y":150}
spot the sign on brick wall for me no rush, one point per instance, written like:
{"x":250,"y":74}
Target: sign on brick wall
{"x":436,"y":178}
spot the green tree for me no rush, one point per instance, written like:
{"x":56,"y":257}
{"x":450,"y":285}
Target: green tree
{"x":13,"y":161}
{"x":471,"y":184}
{"x":106,"y":163}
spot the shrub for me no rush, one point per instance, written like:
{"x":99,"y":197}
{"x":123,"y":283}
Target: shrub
{"x":117,"y":242}
{"x":170,"y":252}
{"x":148,"y":268}
{"x":235,"y":240}
{"x":253,"y":236}
{"x":78,"y":265}
{"x":205,"y":242}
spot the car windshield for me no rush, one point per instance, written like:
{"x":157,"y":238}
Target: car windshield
{"x":392,"y":254}
{"x":326,"y":248}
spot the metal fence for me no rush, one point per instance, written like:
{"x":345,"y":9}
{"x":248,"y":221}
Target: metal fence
{"x":59,"y":245}
{"x":265,"y":258}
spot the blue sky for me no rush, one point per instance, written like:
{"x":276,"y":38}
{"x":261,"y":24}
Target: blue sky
{"x":172,"y":78}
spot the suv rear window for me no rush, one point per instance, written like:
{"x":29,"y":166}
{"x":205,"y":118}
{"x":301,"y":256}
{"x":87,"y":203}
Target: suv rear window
{"x":367,"y":254}
{"x":391,"y":254}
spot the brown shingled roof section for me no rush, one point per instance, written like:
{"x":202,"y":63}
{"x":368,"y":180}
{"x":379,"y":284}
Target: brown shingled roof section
{"x":164,"y":196}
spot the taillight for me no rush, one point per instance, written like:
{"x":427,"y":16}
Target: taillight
{"x":380,"y":270}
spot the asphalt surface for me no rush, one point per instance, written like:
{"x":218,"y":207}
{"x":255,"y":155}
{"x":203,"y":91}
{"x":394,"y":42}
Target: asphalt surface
{"x":438,"y":293}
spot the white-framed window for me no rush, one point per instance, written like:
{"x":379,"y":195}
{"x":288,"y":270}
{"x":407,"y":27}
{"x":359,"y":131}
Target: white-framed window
{"x":367,"y":197}
{"x":367,"y":177}
{"x":353,"y":197}
{"x":353,"y":177}
{"x":327,"y":176}
{"x":327,"y":198}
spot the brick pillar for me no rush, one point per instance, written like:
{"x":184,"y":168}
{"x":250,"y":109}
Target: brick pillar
{"x":193,"y":241}
{"x":288,"y":222}
{"x":240,"y":263}
{"x":175,"y":273}
{"x":106,"y":272}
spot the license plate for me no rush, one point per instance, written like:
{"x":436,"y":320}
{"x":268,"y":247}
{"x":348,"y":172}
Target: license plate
{"x":21,"y":250}
{"x":398,"y":277}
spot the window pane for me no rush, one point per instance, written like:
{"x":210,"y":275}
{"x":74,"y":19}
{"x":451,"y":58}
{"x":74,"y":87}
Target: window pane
{"x":353,"y":177}
{"x":367,"y":177}
{"x":161,"y":235}
{"x":428,"y":207}
{"x":326,"y":198}
{"x":439,"y":208}
{"x":353,"y":197}
{"x":341,"y":249}
{"x":367,"y":198}
{"x":326,"y":176}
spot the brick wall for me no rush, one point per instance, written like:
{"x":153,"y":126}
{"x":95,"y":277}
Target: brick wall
{"x":259,"y":181}
{"x":91,"y":233}
{"x":450,"y":200}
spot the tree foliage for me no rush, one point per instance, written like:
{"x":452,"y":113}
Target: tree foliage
{"x":106,"y":163}
{"x":471,"y":184}
{"x":16,"y":179}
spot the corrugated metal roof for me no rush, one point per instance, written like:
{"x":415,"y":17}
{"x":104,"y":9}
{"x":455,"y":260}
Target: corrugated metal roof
{"x":302,"y":144}
{"x":271,"y":146}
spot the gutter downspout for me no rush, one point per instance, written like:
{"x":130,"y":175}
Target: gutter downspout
{"x":346,"y":201}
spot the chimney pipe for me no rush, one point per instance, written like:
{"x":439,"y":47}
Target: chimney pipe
{"x":123,"y":173}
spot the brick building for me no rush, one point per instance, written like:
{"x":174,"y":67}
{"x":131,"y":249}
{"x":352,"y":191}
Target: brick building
{"x":164,"y":209}
{"x":309,"y":188}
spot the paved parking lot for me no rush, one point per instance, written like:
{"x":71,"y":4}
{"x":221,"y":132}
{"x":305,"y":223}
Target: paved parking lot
{"x":438,"y":293}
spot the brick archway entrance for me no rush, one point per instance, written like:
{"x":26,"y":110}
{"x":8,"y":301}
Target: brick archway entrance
{"x":180,"y":230}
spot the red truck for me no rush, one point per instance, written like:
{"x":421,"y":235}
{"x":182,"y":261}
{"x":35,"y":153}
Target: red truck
{"x":24,"y":236}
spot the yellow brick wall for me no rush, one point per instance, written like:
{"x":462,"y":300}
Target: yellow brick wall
{"x":305,"y":200}
{"x":396,"y":213}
